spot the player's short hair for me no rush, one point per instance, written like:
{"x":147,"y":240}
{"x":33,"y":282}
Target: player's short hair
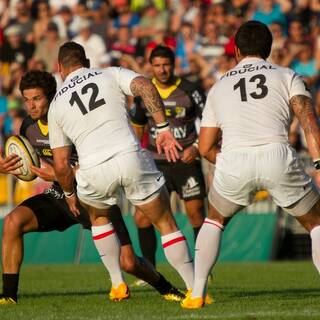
{"x":254,"y":38}
{"x":163,"y":52}
{"x":39,"y":79}
{"x":72,"y":54}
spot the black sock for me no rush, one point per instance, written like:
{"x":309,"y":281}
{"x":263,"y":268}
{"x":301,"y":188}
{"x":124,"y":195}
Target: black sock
{"x":163,"y":286}
{"x":10,"y":284}
{"x":195,"y":232}
{"x":119,"y":225}
{"x":148,"y":243}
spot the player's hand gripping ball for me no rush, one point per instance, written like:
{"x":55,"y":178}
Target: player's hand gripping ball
{"x":21,"y":146}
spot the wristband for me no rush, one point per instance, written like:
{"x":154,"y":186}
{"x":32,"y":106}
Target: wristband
{"x":316,"y":164}
{"x":69,"y":194}
{"x":164,"y":126}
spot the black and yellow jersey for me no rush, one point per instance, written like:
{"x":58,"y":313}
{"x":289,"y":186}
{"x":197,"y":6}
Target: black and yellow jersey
{"x":183,"y":102}
{"x":38,"y":135}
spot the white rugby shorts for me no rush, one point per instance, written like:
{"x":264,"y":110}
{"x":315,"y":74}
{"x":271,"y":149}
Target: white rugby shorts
{"x":275,"y":167}
{"x":135,"y":172}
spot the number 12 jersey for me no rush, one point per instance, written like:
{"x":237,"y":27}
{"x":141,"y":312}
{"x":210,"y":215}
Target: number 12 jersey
{"x":89,"y":111}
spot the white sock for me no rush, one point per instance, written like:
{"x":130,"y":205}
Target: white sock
{"x":206,"y":253}
{"x":177,"y":253}
{"x":315,"y":244}
{"x":107,"y":244}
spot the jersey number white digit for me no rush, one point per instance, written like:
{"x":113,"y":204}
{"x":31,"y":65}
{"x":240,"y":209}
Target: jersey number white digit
{"x":260,"y":85}
{"x":93,"y":102}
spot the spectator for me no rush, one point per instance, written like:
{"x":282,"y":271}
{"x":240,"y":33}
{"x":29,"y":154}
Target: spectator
{"x":269,"y":11}
{"x":217,"y":14}
{"x":212,"y":44}
{"x":47,"y":49}
{"x":23,"y":20}
{"x":238,"y":8}
{"x":15,"y":48}
{"x":305,"y":65}
{"x":300,"y":11}
{"x":93,"y":44}
{"x":10,"y":84}
{"x":42,"y":19}
{"x":152,"y":21}
{"x":124,"y":18}
{"x":124,"y":44}
{"x":13,"y":116}
{"x":279,"y":38}
{"x":187,"y":43}
{"x":101,"y":22}
{"x":186,"y":11}
{"x":67,"y":22}
{"x":296,"y":38}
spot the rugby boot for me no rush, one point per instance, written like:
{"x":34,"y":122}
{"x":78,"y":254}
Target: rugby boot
{"x":173,"y":294}
{"x":192,"y":303}
{"x":7,"y":300}
{"x":139,"y":283}
{"x":120,"y":293}
{"x":208,"y":299}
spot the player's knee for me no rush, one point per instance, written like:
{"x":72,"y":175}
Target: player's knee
{"x":12,"y":224}
{"x":128,"y":264}
{"x":196,"y":215}
{"x":196,"y":218}
{"x":141,"y":220}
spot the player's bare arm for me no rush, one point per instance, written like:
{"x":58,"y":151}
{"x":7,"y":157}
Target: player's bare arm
{"x":209,"y":138}
{"x":46,"y":172}
{"x":143,"y":88}
{"x":165,"y":141}
{"x":65,"y":176}
{"x":190,"y":154}
{"x":305,"y":112}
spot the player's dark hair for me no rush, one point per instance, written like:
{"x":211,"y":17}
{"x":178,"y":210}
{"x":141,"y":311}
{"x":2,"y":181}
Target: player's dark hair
{"x":163,"y":52}
{"x":254,"y":38}
{"x":72,"y":54}
{"x":39,"y":79}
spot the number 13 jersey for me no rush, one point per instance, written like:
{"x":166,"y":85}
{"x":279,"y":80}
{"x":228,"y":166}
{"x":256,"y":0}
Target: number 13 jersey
{"x":250,"y":104}
{"x":89,"y":111}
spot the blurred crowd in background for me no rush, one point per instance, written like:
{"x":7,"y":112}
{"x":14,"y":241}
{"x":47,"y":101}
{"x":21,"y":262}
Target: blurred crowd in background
{"x":123,"y":33}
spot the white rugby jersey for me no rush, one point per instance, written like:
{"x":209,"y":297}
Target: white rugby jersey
{"x":89,"y":111}
{"x":250,"y":104}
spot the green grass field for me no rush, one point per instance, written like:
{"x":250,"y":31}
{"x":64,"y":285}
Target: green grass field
{"x":284,"y":290}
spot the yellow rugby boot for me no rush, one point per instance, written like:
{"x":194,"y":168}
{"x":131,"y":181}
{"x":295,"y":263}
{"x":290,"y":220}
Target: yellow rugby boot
{"x":208,"y":299}
{"x":7,"y":301}
{"x":192,"y":303}
{"x":173,"y":294}
{"x":120,"y":293}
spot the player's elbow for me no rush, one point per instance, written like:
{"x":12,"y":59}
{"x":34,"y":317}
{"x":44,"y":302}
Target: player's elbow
{"x":203,"y":151}
{"x":60,"y":167}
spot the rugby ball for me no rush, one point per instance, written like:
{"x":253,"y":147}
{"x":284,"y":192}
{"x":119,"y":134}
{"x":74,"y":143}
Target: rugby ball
{"x":21,"y":146}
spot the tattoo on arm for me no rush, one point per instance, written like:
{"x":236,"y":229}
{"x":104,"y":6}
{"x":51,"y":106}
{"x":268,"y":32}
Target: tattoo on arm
{"x":303,"y":109}
{"x":143,"y":87}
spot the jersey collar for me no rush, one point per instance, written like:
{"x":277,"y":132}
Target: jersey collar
{"x":165,"y":93}
{"x":43,"y":128}
{"x":74,"y":73}
{"x":250,"y":60}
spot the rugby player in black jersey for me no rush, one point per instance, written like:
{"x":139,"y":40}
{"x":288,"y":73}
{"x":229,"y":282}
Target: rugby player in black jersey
{"x":49,"y":211}
{"x":183,"y":102}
